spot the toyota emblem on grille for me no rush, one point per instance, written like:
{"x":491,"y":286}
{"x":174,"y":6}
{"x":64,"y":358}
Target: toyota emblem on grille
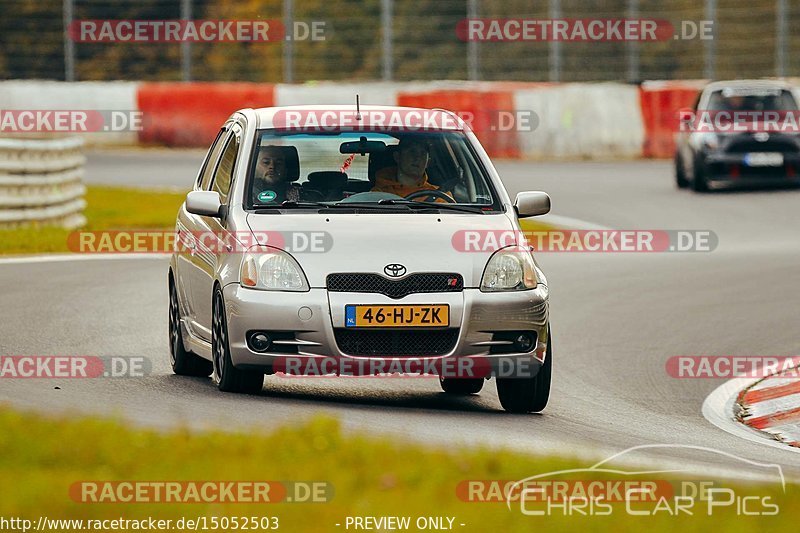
{"x":761,"y":136}
{"x":394,"y":270}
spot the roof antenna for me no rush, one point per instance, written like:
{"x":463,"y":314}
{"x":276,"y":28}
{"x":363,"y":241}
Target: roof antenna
{"x":358,"y":109}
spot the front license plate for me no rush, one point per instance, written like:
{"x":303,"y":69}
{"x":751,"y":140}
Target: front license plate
{"x":397,"y":316}
{"x":763,"y":159}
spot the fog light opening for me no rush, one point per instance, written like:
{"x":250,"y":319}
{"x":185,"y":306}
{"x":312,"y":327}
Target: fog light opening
{"x":524,"y":343}
{"x":259,"y":341}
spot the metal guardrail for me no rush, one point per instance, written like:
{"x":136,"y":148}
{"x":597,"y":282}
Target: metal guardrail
{"x":41,"y":182}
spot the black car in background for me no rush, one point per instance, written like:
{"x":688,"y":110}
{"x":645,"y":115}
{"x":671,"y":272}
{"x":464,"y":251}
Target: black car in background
{"x":742,"y":132}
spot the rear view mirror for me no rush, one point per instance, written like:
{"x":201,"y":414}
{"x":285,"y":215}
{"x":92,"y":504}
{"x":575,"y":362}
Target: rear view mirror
{"x":204,"y":203}
{"x":362,"y":146}
{"x":532,"y":203}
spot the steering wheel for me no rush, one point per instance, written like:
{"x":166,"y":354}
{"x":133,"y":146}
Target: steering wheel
{"x":311,"y":195}
{"x":432,"y":192}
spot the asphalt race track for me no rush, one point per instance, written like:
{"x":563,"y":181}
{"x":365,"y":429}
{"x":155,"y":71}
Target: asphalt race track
{"x":616,"y":320}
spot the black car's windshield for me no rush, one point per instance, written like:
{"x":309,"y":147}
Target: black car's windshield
{"x":752,"y":99}
{"x":367,"y":168}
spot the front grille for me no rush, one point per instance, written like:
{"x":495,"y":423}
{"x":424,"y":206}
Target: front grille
{"x":390,"y":343}
{"x":772,"y":145}
{"x":412,"y":284}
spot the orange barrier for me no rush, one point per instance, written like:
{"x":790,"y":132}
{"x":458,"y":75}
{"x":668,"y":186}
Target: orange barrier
{"x":190,"y":114}
{"x":660,"y":103}
{"x":489,"y":112}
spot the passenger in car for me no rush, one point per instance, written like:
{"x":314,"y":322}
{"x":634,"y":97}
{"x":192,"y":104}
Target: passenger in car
{"x":409,"y":175}
{"x":276,"y":170}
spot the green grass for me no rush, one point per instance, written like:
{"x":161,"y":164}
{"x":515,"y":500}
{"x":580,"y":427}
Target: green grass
{"x":40,"y":458}
{"x":107,"y":208}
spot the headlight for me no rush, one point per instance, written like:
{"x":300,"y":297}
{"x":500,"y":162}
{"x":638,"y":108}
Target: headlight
{"x":710,"y":141}
{"x":270,"y":269}
{"x":509,"y":270}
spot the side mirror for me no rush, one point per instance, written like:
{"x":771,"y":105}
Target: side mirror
{"x":204,"y":203}
{"x":532,"y":203}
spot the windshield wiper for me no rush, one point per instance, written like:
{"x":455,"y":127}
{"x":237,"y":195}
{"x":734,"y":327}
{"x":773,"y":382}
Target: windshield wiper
{"x":386,"y":203}
{"x":291,"y":204}
{"x":365,"y":205}
{"x":431,"y":205}
{"x":288,"y":204}
{"x":294,"y":203}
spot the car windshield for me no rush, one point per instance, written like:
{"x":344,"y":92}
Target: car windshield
{"x":752,"y":100}
{"x":368,"y":169}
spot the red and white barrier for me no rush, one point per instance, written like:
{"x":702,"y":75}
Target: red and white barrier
{"x":82,"y":96}
{"x":479,"y":107}
{"x":661,"y":101}
{"x":574,"y":120}
{"x":772,"y":406}
{"x":191,"y":114}
{"x":582,"y":120}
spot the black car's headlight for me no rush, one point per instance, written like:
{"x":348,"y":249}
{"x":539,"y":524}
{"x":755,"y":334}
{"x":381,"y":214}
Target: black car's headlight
{"x":709,"y":141}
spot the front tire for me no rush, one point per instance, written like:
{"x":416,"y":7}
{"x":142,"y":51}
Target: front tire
{"x":184,"y":362}
{"x":680,"y":174}
{"x":699,"y":181}
{"x":528,"y":395}
{"x":227,"y":377}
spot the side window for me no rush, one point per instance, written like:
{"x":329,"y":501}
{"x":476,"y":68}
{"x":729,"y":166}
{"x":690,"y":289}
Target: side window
{"x":224,"y":174}
{"x":211,"y":161}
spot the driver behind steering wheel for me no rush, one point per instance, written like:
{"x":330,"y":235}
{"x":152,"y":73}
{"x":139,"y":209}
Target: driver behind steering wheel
{"x":409,"y":175}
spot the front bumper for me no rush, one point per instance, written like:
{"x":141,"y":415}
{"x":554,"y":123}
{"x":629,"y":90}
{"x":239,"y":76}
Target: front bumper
{"x":313,"y":315}
{"x":734,"y":167}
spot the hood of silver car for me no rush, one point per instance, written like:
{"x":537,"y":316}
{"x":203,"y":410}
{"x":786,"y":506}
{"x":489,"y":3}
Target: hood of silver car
{"x":418,"y":242}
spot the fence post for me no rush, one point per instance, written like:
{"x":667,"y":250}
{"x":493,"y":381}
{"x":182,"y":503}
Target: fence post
{"x":288,"y":44}
{"x":387,"y":36}
{"x":473,"y":57}
{"x":781,"y":41}
{"x":710,"y":44}
{"x":554,"y":12}
{"x":632,"y":47}
{"x":186,"y":46}
{"x":69,"y":44}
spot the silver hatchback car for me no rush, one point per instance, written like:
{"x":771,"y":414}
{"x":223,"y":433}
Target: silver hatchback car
{"x":370,"y":240}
